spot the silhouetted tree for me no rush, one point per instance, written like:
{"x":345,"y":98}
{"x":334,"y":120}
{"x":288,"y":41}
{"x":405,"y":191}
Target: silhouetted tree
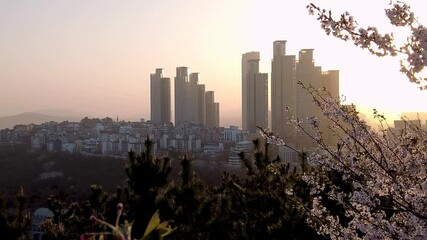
{"x":17,"y":225}
{"x":147,"y":177}
{"x":187,"y":204}
{"x":268,"y":204}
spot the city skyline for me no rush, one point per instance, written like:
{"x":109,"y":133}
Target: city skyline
{"x":254,"y":93}
{"x":193,"y":104}
{"x":94,"y":58}
{"x":160,"y":97}
{"x":289,"y":98}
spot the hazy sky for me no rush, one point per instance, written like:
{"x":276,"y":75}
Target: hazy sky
{"x":95,"y":57}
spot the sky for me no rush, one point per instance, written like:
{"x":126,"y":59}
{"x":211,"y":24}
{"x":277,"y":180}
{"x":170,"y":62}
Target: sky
{"x":94,"y":58}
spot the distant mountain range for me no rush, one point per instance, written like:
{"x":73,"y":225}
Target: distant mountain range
{"x":30,"y":117}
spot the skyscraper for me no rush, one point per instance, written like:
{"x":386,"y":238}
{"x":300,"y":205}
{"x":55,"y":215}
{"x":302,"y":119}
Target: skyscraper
{"x":190,"y":99}
{"x":309,"y":75}
{"x":283,"y":91}
{"x":181,"y":98}
{"x":193,"y":101}
{"x":289,"y":99}
{"x":254,"y":93}
{"x":245,"y":92}
{"x":201,"y":99}
{"x":330,"y":82}
{"x":212,"y":110}
{"x":160,"y":97}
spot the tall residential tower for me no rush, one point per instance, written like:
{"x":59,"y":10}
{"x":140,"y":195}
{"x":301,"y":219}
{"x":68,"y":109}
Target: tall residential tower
{"x":212,"y":110}
{"x":254,"y":93}
{"x":193,"y":104}
{"x":283,"y":91}
{"x":290,"y":99}
{"x":330,"y":82}
{"x":181,"y":97}
{"x":160,"y":97}
{"x":309,"y":75}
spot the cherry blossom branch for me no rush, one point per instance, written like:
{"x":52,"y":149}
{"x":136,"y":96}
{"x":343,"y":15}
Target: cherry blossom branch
{"x":413,"y":52}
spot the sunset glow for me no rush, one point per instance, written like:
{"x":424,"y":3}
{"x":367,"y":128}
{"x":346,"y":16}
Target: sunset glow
{"x":94,"y":58}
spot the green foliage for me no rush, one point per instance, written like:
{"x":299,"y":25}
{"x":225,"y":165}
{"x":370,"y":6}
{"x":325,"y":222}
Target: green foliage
{"x":18,"y":225}
{"x":147,"y":177}
{"x":3,"y":215}
{"x":266,"y":205}
{"x":54,"y":231}
{"x":257,"y":207}
{"x":19,"y":166}
{"x":70,"y":220}
{"x":186,"y":203}
{"x":156,"y":230}
{"x":271,"y":202}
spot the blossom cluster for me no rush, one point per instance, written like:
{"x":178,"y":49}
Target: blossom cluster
{"x":413,"y":52}
{"x":387,"y":172}
{"x":271,"y":138}
{"x":382,"y":176}
{"x":377,"y":178}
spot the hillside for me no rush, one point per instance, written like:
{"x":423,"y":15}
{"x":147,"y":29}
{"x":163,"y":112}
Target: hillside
{"x":41,"y":174}
{"x":70,"y":175}
{"x":27,"y":118}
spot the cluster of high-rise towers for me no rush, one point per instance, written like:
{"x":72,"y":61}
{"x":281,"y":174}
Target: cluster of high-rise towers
{"x":193,"y":104}
{"x":287,"y":97}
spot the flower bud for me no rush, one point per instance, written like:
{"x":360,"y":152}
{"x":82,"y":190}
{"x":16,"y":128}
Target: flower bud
{"x":93,"y":218}
{"x":120,"y":207}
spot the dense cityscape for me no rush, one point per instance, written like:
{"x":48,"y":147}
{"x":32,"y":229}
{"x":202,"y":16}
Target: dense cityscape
{"x":302,"y":163}
{"x":196,"y":128}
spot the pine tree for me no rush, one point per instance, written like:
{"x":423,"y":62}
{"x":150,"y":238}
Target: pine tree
{"x":147,"y":177}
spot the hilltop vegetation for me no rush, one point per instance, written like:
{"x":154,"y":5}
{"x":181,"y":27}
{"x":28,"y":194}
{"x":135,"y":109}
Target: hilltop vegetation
{"x":68,"y":175}
{"x":254,"y":206}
